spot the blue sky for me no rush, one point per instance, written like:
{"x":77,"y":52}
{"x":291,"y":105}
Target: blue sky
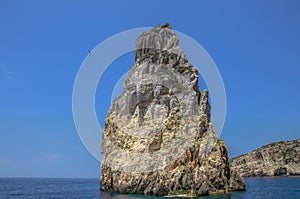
{"x":255,"y":45}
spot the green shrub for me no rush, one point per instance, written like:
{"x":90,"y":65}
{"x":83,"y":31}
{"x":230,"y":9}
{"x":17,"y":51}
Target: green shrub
{"x":166,"y":25}
{"x":180,"y":69}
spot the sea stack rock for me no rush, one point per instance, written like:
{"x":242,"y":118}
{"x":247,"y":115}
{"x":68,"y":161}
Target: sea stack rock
{"x":157,"y":137}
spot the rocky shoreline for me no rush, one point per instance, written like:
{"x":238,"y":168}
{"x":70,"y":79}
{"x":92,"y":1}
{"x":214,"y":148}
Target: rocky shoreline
{"x":275,"y":159}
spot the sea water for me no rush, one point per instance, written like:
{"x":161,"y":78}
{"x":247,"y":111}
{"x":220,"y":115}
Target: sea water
{"x":267,"y":187}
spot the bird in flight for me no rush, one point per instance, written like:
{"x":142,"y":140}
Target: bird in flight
{"x":90,"y":53}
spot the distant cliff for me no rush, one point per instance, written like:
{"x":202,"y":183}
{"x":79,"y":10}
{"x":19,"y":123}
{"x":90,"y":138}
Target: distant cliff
{"x":275,"y":159}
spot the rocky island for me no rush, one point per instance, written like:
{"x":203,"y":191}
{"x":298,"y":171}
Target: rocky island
{"x":275,"y":159}
{"x":157,"y":137}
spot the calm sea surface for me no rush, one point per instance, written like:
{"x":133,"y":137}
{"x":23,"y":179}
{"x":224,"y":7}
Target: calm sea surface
{"x":273,"y":187}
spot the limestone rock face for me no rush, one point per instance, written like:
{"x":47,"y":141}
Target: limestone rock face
{"x":275,"y":159}
{"x":157,"y":137}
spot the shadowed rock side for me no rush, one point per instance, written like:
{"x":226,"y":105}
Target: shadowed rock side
{"x":157,"y":137}
{"x":275,"y":159}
